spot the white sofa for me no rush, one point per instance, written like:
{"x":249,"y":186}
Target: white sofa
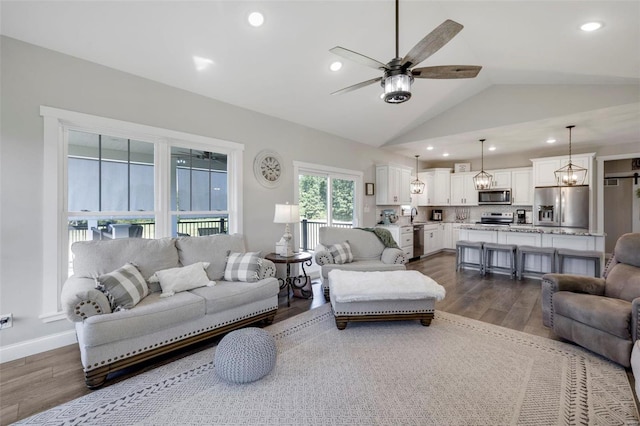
{"x":369,"y":253}
{"x":110,"y":341}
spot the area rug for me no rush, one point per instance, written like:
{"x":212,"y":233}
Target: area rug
{"x":457,"y":371}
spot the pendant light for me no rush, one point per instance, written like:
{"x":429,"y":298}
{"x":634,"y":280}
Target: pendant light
{"x":417,"y":186}
{"x":570,"y":174}
{"x":482,"y":180}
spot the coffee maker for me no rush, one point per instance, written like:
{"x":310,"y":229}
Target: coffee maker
{"x":521,"y":216}
{"x":436,"y":215}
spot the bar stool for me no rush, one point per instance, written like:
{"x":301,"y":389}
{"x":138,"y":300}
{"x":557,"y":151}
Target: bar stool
{"x":543,"y":251}
{"x":595,"y":256}
{"x":490,"y":248}
{"x":461,"y":245}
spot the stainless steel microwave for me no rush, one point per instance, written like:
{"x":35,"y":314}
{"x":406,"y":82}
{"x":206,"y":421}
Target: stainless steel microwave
{"x":494,"y":196}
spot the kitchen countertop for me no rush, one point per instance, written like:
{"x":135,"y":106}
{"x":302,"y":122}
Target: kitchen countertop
{"x":532,"y":229}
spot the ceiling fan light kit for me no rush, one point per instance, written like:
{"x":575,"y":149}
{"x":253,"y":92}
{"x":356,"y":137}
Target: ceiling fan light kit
{"x":417,"y":186}
{"x":398,"y":73}
{"x":570,"y":174}
{"x":482,"y":180}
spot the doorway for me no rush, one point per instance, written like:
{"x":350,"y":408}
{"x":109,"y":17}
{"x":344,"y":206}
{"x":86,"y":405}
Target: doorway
{"x":620,"y":200}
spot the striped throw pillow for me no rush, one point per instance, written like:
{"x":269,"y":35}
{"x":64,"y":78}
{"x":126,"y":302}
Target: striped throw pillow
{"x":124,"y":287}
{"x":243,"y":267}
{"x":341,"y":253}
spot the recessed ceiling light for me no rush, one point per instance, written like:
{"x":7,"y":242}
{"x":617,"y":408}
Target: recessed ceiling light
{"x":551,"y":140}
{"x":256,"y":19}
{"x":492,"y":148}
{"x":202,"y":63}
{"x":446,"y":154}
{"x":335,"y":66}
{"x":429,"y":148}
{"x":591,"y":26}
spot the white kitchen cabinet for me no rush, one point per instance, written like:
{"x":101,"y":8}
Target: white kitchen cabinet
{"x":501,"y":179}
{"x":455,"y":234}
{"x":544,"y":168}
{"x":392,"y":182}
{"x":433,"y":238}
{"x":447,"y":236}
{"x":437,"y":187}
{"x":405,"y":186}
{"x":403,"y":236}
{"x":425,"y":199}
{"x":522,"y":187}
{"x":463,"y":191}
{"x":441,"y":188}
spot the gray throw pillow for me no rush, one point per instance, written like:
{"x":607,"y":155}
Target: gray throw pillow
{"x":124,"y":287}
{"x":341,"y":253}
{"x":243,"y":267}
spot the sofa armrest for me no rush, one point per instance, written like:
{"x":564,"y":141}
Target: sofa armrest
{"x":552,"y":283}
{"x":575,"y":283}
{"x":323,"y":257}
{"x":635,"y":316}
{"x":267,"y":269}
{"x":80,"y":299}
{"x":393,"y":255}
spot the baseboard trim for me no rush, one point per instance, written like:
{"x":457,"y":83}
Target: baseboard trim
{"x":36,"y":346}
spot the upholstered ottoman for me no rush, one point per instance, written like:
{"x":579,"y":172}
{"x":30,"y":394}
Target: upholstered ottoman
{"x":245,"y":355}
{"x":383,"y":296}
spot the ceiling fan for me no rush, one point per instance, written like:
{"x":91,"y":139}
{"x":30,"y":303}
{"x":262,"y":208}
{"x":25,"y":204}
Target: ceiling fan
{"x":399,"y":72}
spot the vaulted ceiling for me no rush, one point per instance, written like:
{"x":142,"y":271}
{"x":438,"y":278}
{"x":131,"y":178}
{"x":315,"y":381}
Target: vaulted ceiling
{"x":540,"y":71}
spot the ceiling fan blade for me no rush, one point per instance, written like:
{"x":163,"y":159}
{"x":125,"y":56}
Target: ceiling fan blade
{"x":447,"y":71}
{"x":431,"y":43}
{"x":357,"y":57}
{"x":357,"y":86}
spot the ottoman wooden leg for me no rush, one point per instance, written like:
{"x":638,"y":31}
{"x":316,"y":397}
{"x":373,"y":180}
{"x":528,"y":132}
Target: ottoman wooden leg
{"x":341,"y":323}
{"x":426,"y":320}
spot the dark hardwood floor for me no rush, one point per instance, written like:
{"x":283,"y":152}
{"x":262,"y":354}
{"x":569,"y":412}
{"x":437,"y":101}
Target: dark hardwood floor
{"x":39,"y":382}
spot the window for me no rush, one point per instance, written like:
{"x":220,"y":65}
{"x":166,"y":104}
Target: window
{"x":327,"y":197}
{"x":198,"y":192}
{"x":107,"y":178}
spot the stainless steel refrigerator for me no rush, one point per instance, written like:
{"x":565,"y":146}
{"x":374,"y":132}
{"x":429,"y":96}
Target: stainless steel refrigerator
{"x":561,"y":206}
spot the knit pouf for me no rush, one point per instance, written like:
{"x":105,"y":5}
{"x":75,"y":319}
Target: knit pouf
{"x":245,"y":355}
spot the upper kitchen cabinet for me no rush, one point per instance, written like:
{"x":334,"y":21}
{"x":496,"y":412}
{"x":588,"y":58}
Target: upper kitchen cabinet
{"x":544,"y":168}
{"x":522,"y":187}
{"x":393,"y":185}
{"x":501,"y":179}
{"x":463,"y":191}
{"x":437,"y":187}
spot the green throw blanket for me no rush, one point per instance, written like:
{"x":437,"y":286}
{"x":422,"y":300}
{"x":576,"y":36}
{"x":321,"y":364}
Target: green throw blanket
{"x":383,"y":235}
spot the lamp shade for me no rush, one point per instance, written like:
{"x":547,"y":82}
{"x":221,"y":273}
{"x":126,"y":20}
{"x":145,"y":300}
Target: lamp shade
{"x":286,"y":213}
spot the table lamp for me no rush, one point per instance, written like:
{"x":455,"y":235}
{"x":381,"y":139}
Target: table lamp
{"x":286,"y":213}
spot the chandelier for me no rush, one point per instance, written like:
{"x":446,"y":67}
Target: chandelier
{"x":482,"y":180}
{"x":570,"y":174}
{"x":417,"y":186}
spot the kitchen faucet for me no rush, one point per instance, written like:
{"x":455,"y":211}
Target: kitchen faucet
{"x":413,"y":209}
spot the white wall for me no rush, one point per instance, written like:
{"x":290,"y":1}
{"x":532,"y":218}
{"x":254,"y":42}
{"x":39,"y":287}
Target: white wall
{"x":32,"y":76}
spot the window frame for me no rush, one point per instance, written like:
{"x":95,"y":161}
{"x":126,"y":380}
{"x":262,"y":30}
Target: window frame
{"x":332,"y":173}
{"x":55,"y":202}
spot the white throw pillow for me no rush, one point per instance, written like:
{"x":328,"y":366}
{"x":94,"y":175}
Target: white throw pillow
{"x":185,"y":278}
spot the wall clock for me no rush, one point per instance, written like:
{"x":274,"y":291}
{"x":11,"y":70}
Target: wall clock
{"x":268,"y":168}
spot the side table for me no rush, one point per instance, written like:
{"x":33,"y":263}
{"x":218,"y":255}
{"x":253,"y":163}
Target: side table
{"x":292,"y":282}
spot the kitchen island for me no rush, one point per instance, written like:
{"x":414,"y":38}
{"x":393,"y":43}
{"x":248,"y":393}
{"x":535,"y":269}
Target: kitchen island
{"x":570,"y":238}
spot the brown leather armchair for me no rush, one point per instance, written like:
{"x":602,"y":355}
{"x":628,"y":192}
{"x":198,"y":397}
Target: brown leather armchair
{"x":600,"y":314}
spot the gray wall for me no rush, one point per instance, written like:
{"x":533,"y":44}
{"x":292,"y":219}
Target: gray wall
{"x":33,"y":76}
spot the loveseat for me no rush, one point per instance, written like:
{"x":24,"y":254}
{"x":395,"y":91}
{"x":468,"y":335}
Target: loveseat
{"x":368,"y":253}
{"x":166,"y":318}
{"x":601,"y":314}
